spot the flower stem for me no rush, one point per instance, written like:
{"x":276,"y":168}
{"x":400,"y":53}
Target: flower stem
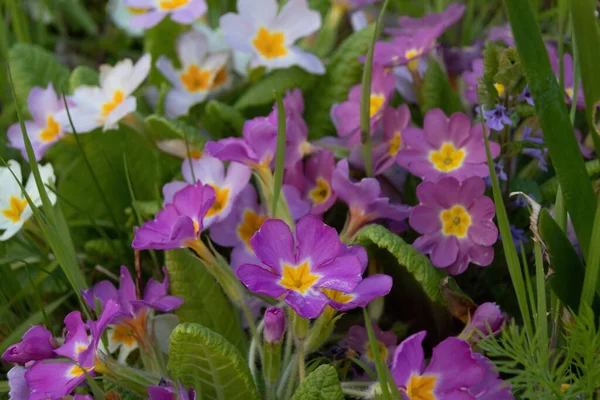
{"x":301,"y":367}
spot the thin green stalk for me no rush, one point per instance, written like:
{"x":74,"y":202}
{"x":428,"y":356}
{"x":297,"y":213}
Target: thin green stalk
{"x":576,"y":79}
{"x":365,"y":100}
{"x":590,"y":281}
{"x":562,"y":13}
{"x":466,"y":34}
{"x":542,"y":325}
{"x":528,"y":284}
{"x":301,"y":355}
{"x":379,"y":366}
{"x":19,"y":21}
{"x":280,"y":152}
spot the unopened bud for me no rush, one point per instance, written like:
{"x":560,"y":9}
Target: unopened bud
{"x":274,"y":324}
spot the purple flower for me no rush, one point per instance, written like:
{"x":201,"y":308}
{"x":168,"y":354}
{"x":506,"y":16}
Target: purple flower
{"x":297,"y":267}
{"x":178,"y":222}
{"x":37,"y":344}
{"x":18,"y":385}
{"x":503,"y":34}
{"x":181,"y":11}
{"x":43,"y":131}
{"x":405,"y":79}
{"x":456,"y":221}
{"x":471,"y":79}
{"x":410,"y":26}
{"x":274,"y":324}
{"x":569,"y":70}
{"x":129,"y":325}
{"x":446,"y":147}
{"x":58,"y":379}
{"x":518,"y":236}
{"x":526,"y":96}
{"x":535,"y":152}
{"x":168,"y":392}
{"x":458,"y":60}
{"x":500,"y":173}
{"x":405,"y":50}
{"x":497,"y":118}
{"x":452,"y":370}
{"x":358,"y":341}
{"x":487,"y":319}
{"x":346,"y":115}
{"x":364,"y":199}
{"x":490,"y":387}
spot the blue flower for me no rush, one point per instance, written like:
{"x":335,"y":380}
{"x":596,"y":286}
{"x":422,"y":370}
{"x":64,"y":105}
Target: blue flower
{"x":497,"y":118}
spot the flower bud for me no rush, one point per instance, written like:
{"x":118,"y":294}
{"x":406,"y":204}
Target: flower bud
{"x":37,"y":344}
{"x":274,"y":324}
{"x":488,"y":319}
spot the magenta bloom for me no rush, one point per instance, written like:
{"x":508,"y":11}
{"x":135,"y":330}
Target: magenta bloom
{"x":446,"y":147}
{"x":490,"y":387}
{"x":502,"y":34}
{"x":452,"y":371}
{"x":274,"y":324}
{"x":456,"y":221}
{"x":487,"y":319}
{"x":471,"y":79}
{"x":179,"y":222}
{"x":37,"y":344}
{"x":410,"y":26}
{"x":58,"y":379}
{"x":358,"y":340}
{"x":181,"y":11}
{"x":346,"y":115}
{"x":405,"y":50}
{"x":298,"y":269}
{"x":170,"y":393}
{"x":43,"y":131}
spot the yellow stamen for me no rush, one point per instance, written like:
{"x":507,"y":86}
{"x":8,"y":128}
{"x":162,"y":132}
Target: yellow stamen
{"x":221,"y":199}
{"x":383,"y":352}
{"x":77,"y":371}
{"x":107,"y":108}
{"x":270,"y":44}
{"x":421,"y":387}
{"x":123,"y":334}
{"x":337,"y":296}
{"x":321,"y":192}
{"x":15,"y":208}
{"x":251,"y":223}
{"x":499,"y":88}
{"x":170,"y":5}
{"x":448,"y":158}
{"x":395,"y":144}
{"x":298,"y":278}
{"x":195,"y":79}
{"x":569,"y":92}
{"x":51,"y":131}
{"x":375,"y":103}
{"x":137,"y":11}
{"x":195,"y":154}
{"x":456,"y":221}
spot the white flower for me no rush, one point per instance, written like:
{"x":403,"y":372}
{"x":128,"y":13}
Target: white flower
{"x":121,"y":15}
{"x":216,"y":42}
{"x":107,"y":104}
{"x":260,"y":30}
{"x":14,"y":208}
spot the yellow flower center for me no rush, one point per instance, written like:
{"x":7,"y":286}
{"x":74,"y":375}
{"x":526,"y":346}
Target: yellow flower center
{"x":270,"y":44}
{"x":169,"y":5}
{"x":395,"y":144}
{"x":383,"y":352}
{"x":195,"y":154}
{"x":298,"y":278}
{"x":196,"y":227}
{"x":15,"y":208}
{"x":137,"y":10}
{"x":221,"y":199}
{"x":375,"y":103}
{"x":195,"y":79}
{"x":51,"y":131}
{"x":421,"y":387}
{"x":456,"y":221}
{"x":107,"y":108}
{"x":321,"y":192}
{"x":499,"y":88}
{"x":569,"y":92}
{"x":448,"y":158}
{"x":77,"y":371}
{"x":251,"y":223}
{"x":412,"y":53}
{"x":337,"y":296}
{"x":123,"y":334}
{"x":220,"y":78}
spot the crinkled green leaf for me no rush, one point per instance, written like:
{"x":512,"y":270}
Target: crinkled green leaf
{"x":83,"y":75}
{"x":343,"y":71}
{"x":204,"y":301}
{"x":280,"y":80}
{"x":161,"y":128}
{"x":203,"y":359}
{"x":31,"y":66}
{"x":221,"y":120}
{"x":416,"y":263}
{"x":509,"y":72}
{"x":322,"y":384}
{"x":437,"y":92}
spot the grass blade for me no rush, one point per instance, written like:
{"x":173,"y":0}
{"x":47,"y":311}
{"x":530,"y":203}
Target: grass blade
{"x":542,"y":320}
{"x":280,"y":152}
{"x":381,"y":368}
{"x":590,"y":281}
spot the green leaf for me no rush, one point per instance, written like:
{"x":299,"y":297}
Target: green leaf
{"x":31,"y":66}
{"x":321,"y":384}
{"x":416,"y":263}
{"x":437,"y":92}
{"x":203,"y":359}
{"x":280,"y":80}
{"x":343,"y":71}
{"x":554,"y":120}
{"x":162,"y":128}
{"x":83,"y":75}
{"x":221,"y":120}
{"x":78,"y":15}
{"x":204,"y":301}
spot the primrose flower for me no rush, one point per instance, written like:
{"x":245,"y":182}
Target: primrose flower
{"x":487,"y":319}
{"x":569,"y":71}
{"x":260,"y":30}
{"x":405,"y":50}
{"x":490,"y":386}
{"x":358,"y":341}
{"x":129,"y":325}
{"x":297,"y":267}
{"x":200,"y":73}
{"x":496,"y":119}
{"x":410,"y":26}
{"x":14,"y":208}
{"x":459,"y":59}
{"x":346,"y":115}
{"x":43,"y":131}
{"x":58,"y":379}
{"x":17,"y":383}
{"x":37,"y":344}
{"x":405,"y":78}
{"x":151,"y":12}
{"x":446,"y":147}
{"x":395,"y":121}
{"x":105,"y":105}
{"x":471,"y":79}
{"x":179,"y":222}
{"x":456,"y":221}
{"x":452,"y":371}
{"x":211,"y":172}
{"x":121,"y":15}
{"x":216,"y":43}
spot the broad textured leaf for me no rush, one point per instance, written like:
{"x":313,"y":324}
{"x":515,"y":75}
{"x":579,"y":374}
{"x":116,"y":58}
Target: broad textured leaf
{"x":31,"y":66}
{"x":203,"y":359}
{"x":280,"y":80}
{"x":221,"y":120}
{"x":437,"y":92}
{"x":204,"y":300}
{"x":343,"y":71}
{"x":322,"y":384}
{"x":162,"y":128}
{"x":416,"y":263}
{"x":83,"y":75}
{"x":554,"y":120}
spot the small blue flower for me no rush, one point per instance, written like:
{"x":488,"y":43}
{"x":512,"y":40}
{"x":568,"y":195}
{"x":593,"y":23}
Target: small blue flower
{"x":497,"y":118}
{"x":537,"y":153}
{"x":526,"y":96}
